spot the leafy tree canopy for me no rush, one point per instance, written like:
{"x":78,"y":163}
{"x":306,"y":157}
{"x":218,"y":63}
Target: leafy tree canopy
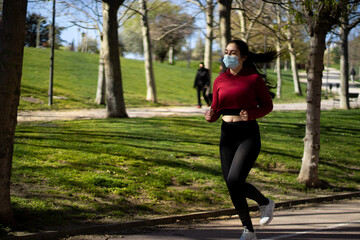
{"x":34,"y":22}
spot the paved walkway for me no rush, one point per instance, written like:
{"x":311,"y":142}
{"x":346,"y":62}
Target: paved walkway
{"x":24,"y":116}
{"x":331,"y":78}
{"x":336,"y":220}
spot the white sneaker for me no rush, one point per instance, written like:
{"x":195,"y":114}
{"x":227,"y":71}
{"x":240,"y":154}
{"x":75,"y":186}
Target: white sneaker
{"x":266,"y":213}
{"x":247,"y":235}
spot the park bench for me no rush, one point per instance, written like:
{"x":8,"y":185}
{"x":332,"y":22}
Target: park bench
{"x":353,"y":97}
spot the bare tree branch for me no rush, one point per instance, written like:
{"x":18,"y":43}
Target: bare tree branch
{"x":89,"y":12}
{"x":125,"y":14}
{"x":175,"y":29}
{"x":197,"y":2}
{"x":252,"y":22}
{"x":132,"y":9}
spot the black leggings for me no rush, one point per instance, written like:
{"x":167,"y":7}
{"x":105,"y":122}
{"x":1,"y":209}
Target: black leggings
{"x":203,"y":90}
{"x":239,"y":148}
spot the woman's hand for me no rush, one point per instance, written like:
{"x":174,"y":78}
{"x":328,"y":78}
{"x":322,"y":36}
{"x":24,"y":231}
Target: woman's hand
{"x":244,"y":115}
{"x":209,"y":114}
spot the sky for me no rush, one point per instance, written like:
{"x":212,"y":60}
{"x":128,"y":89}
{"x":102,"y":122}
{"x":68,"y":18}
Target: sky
{"x":73,"y":33}
{"x":69,"y":34}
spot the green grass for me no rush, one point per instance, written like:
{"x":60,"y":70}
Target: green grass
{"x":99,"y":171}
{"x":75,"y":78}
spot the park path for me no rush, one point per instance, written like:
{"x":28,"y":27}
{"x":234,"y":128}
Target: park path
{"x":332,"y":76}
{"x":27,"y":116}
{"x":334,"y":220}
{"x":331,"y":82}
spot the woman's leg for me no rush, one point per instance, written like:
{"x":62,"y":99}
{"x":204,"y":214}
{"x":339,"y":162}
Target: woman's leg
{"x":239,"y":148}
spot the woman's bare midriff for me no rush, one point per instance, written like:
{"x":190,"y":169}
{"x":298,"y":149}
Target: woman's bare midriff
{"x":231,"y":118}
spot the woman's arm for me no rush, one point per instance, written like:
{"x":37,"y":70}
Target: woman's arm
{"x":265,"y":104}
{"x":212,"y":115}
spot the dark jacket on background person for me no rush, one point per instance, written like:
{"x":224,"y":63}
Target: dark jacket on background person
{"x":352,"y":72}
{"x":202,"y":78}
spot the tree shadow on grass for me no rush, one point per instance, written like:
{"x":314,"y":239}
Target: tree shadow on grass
{"x":158,"y":135}
{"x":68,"y":216}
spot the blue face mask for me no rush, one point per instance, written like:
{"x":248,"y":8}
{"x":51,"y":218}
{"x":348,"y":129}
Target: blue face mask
{"x":231,"y":61}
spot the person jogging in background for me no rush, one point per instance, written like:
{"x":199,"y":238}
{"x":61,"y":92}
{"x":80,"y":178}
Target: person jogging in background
{"x":241,"y":95}
{"x":202,"y":82}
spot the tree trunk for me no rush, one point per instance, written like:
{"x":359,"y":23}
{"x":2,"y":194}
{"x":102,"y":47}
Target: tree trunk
{"x":278,"y":70}
{"x":294,"y":69}
{"x":344,"y":66}
{"x":149,"y":72}
{"x":101,"y":87}
{"x":171,"y":54}
{"x":278,"y":59}
{"x":209,"y":34}
{"x":209,"y":37}
{"x":225,"y":20}
{"x":254,"y":20}
{"x":12,"y":32}
{"x":188,"y":55}
{"x":290,"y":41}
{"x":310,"y":161}
{"x":115,"y":105}
{"x":318,"y":25}
{"x":242,"y":21}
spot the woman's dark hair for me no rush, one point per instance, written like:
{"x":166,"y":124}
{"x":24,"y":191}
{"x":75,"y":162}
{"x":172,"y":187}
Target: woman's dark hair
{"x":254,"y":58}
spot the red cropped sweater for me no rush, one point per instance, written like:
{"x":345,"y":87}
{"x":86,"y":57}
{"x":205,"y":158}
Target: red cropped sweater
{"x":246,"y":90}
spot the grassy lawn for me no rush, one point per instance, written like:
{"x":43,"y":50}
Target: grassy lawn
{"x":75,"y":81}
{"x":100,"y":171}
